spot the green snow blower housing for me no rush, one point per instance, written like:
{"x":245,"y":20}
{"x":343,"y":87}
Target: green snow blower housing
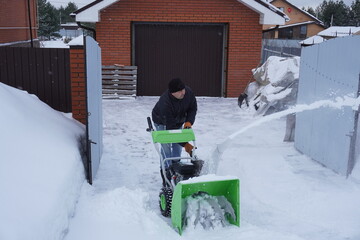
{"x":177,"y":187}
{"x":227,"y":188}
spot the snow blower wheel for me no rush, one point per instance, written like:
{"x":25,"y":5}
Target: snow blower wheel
{"x":165,"y":201}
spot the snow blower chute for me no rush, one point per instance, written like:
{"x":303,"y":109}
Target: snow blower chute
{"x":216,"y":199}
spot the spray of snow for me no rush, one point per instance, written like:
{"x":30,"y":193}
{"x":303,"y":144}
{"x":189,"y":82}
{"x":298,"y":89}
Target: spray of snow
{"x":338,"y":103}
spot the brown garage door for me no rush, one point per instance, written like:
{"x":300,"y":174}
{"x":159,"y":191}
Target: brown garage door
{"x":192,"y":52}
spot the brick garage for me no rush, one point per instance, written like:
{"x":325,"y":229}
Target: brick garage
{"x":243,"y":19}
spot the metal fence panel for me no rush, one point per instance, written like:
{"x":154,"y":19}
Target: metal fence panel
{"x":94,"y":106}
{"x":44,"y":72}
{"x":280,"y":48}
{"x":328,"y":71}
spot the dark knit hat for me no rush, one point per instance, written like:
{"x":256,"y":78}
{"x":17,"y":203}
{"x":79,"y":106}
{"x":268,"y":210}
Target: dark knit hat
{"x":176,"y":85}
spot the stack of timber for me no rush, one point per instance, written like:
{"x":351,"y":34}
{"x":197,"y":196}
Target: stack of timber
{"x":119,"y":81}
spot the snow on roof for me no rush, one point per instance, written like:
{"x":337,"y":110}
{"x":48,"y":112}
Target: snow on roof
{"x":69,"y":24}
{"x":268,"y":13}
{"x":337,"y":31}
{"x":291,"y":25}
{"x":297,"y":24}
{"x":331,"y":32}
{"x":53,"y":44}
{"x":78,"y":41}
{"x":91,"y":12}
{"x":304,"y":12}
{"x":312,"y":16}
{"x":14,"y":43}
{"x":313,"y":40}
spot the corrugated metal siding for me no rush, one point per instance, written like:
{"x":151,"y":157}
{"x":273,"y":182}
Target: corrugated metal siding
{"x":192,"y":52}
{"x":328,"y":71}
{"x":44,"y":72}
{"x":94,"y":125}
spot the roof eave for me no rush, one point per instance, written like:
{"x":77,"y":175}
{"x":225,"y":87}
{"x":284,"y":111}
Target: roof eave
{"x":268,"y":14}
{"x":305,"y":12}
{"x":91,"y":12}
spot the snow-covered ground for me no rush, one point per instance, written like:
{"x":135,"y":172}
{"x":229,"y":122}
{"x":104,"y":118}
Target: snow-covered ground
{"x":284,"y":195}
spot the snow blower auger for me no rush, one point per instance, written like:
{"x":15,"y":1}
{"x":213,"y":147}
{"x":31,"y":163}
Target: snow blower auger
{"x":190,"y":199}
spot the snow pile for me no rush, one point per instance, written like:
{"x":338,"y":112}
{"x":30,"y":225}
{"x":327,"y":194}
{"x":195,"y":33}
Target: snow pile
{"x":275,"y":85}
{"x":278,"y":71}
{"x":120,"y":213}
{"x":41,"y":171}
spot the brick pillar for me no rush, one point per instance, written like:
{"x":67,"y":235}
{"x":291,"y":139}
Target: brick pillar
{"x":78,"y":90}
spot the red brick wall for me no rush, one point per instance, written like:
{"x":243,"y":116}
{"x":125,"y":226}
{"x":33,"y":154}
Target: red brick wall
{"x":78,"y":90}
{"x":14,"y":20}
{"x":244,"y":39}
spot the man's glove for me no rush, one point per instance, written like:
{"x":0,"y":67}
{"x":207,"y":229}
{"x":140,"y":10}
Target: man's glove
{"x":188,"y":148}
{"x":187,"y":125}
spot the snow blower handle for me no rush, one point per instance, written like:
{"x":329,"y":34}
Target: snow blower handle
{"x":150,"y":128}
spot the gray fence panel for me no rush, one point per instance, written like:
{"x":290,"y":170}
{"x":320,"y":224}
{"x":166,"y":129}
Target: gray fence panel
{"x":280,"y":48}
{"x":44,"y":72}
{"x":327,"y":71}
{"x":94,"y":106}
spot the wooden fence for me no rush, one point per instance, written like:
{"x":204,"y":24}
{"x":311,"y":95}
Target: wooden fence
{"x":119,"y":81}
{"x":44,"y":72}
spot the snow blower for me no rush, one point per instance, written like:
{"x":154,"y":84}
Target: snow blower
{"x":187,"y":197}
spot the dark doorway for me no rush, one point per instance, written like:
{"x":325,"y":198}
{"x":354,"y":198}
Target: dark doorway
{"x":192,"y":52}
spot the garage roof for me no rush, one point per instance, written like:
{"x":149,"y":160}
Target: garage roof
{"x":269,"y":14}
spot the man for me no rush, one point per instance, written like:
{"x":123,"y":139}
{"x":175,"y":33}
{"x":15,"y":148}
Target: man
{"x":175,"y":109}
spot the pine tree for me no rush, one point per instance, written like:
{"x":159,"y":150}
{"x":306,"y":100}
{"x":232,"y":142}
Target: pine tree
{"x":355,"y":13}
{"x":310,"y":10}
{"x":334,"y":13}
{"x":65,"y":12}
{"x":49,"y":22}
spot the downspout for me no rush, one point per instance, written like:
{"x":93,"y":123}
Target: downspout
{"x":30,"y":26}
{"x":87,"y":28}
{"x":276,"y":29}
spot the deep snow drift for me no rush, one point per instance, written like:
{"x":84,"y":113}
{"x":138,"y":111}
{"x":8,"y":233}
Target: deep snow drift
{"x":41,"y":172}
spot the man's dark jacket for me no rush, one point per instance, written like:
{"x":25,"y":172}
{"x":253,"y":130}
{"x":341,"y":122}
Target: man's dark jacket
{"x":173,"y":112}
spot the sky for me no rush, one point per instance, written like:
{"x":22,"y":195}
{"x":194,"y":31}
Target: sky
{"x":284,"y":195}
{"x":313,"y":3}
{"x":298,"y":3}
